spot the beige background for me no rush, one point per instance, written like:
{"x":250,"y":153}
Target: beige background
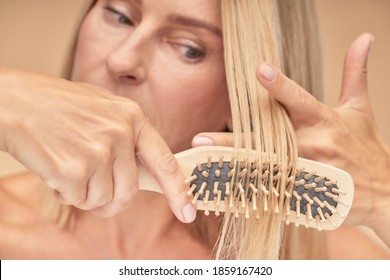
{"x":35,"y":35}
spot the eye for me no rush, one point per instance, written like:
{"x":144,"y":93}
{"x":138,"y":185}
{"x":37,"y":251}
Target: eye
{"x":191,"y":53}
{"x":118,"y":16}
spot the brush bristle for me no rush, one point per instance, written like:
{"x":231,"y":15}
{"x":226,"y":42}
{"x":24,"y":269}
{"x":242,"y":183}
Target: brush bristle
{"x":244,"y":186}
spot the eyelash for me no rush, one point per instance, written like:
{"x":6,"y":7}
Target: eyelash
{"x":188,"y":52}
{"x":121,"y":18}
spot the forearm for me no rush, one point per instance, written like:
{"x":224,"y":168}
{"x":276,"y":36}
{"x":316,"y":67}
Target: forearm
{"x":6,"y":106}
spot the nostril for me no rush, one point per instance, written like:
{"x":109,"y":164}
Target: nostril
{"x":132,"y":78}
{"x":128,"y":78}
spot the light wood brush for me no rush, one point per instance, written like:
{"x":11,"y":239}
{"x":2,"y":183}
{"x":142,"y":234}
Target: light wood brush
{"x":319,"y":196}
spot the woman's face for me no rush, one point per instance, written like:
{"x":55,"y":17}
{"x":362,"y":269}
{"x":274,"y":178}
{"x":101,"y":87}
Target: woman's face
{"x":165,"y":55}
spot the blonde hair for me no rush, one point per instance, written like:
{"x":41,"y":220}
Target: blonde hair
{"x":282,"y":33}
{"x":255,"y":32}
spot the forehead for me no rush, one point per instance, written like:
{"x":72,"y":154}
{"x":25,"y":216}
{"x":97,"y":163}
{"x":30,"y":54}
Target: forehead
{"x":202,"y":9}
{"x":204,"y":14}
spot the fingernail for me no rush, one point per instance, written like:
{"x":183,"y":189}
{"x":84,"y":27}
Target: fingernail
{"x":189,"y":213}
{"x":267,"y":72}
{"x":202,"y":141}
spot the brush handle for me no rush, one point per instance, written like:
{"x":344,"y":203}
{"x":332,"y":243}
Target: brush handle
{"x":189,"y":159}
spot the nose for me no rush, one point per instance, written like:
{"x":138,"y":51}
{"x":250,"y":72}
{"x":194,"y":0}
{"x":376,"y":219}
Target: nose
{"x":126,"y":61}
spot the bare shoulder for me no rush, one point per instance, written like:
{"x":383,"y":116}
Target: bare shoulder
{"x":19,"y":182}
{"x":18,"y":196}
{"x":19,"y":210}
{"x":350,"y":242}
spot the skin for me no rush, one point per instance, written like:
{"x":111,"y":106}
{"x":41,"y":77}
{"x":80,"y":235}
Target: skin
{"x":144,"y":77}
{"x":350,"y":139}
{"x":158,"y":58}
{"x":93,"y":167}
{"x":144,"y":59}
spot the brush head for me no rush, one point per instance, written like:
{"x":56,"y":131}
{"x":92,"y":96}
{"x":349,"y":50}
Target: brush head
{"x":314,"y":194}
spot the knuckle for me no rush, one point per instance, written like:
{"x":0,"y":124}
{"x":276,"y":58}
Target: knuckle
{"x":284,"y":85}
{"x":302,"y":99}
{"x":122,"y":133}
{"x":82,"y":205}
{"x":135,"y":112}
{"x":112,"y":204}
{"x":77,"y":176}
{"x":100,"y":154}
{"x":69,"y":198}
{"x":135,"y":122}
{"x":73,"y":172}
{"x":141,"y":121}
{"x":126,"y":198}
{"x":281,"y":85}
{"x":180,"y":196}
{"x":104,"y":199}
{"x":69,"y":185}
{"x":325,"y":148}
{"x":167,"y":164}
{"x":228,"y":140}
{"x":121,"y":130}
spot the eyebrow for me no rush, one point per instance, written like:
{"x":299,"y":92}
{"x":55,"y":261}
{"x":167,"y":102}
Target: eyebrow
{"x":192,"y":22}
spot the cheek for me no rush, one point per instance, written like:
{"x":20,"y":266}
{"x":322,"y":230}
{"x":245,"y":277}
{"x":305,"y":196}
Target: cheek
{"x":191,"y":107}
{"x":87,"y":54}
{"x":81,"y":59}
{"x":197,"y":96}
{"x":207,"y":92}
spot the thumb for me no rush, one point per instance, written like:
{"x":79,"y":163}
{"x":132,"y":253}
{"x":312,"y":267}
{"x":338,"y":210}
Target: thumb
{"x":213,"y":139}
{"x":354,"y":89}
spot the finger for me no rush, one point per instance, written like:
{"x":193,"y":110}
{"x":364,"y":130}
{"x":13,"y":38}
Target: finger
{"x":100,"y":188}
{"x":156,"y":156}
{"x":69,"y":191}
{"x":213,"y":139}
{"x":125,"y":185}
{"x":301,"y":105}
{"x":354,"y":85}
{"x":68,"y":197}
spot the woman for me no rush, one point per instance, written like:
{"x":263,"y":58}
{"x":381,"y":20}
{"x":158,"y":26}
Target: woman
{"x":167,"y":76}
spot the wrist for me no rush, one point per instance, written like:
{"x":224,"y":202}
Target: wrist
{"x":380,"y":221}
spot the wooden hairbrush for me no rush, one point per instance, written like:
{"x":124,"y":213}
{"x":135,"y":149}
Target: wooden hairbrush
{"x":319,"y":195}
